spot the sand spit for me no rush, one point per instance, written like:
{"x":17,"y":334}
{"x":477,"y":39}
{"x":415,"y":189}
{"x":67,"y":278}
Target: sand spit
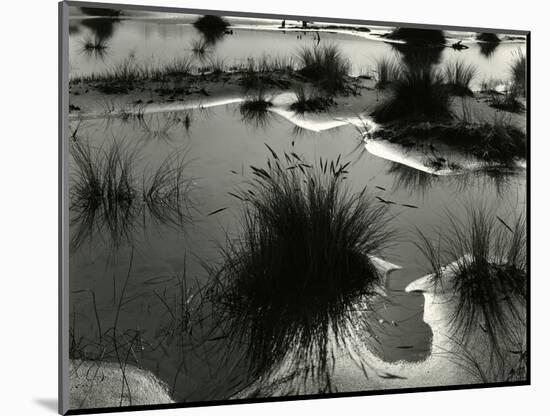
{"x":96,"y":384}
{"x":353,"y":109}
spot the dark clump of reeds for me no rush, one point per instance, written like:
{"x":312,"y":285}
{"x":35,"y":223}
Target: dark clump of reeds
{"x":413,"y":35}
{"x":459,"y":77}
{"x":255,"y":109}
{"x":419,"y":93}
{"x":488,"y":37}
{"x":212,"y":27}
{"x":518,"y":69}
{"x":487,"y":279}
{"x":301,"y":263}
{"x":309,"y":101}
{"x":325,"y":66}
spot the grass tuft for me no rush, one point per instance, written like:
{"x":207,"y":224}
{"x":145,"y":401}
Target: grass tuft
{"x":301,"y":263}
{"x":488,"y":276}
{"x":419,"y":93}
{"x":325,"y":66}
{"x":309,"y":101}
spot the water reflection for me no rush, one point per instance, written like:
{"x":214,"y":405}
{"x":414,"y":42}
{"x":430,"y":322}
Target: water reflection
{"x":487,"y":49}
{"x":102,"y":28}
{"x":108,"y":201}
{"x":414,"y":55}
{"x":418,"y":36}
{"x":94,"y":47}
{"x":212,"y":28}
{"x":295,"y":331}
{"x":96,"y":41}
{"x":419,"y":182}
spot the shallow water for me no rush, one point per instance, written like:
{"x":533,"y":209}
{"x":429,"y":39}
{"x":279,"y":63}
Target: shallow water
{"x":158,"y":41}
{"x":218,"y":143}
{"x":220,"y":147}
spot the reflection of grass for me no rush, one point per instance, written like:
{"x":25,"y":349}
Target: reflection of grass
{"x":158,"y":126}
{"x":418,"y":93}
{"x":414,"y":180}
{"x":200,"y":49}
{"x":488,"y":37}
{"x":166,"y":191}
{"x":412,"y":35}
{"x":211,"y":27}
{"x":105,"y":195}
{"x":255,"y":109}
{"x":419,"y":182}
{"x":301,"y":264}
{"x":94,"y":46}
{"x":103,"y":189}
{"x":487,"y":49}
{"x":488,"y":43}
{"x":489,"y":276}
{"x":309,"y":101}
{"x":459,"y":77}
{"x":326,"y":66}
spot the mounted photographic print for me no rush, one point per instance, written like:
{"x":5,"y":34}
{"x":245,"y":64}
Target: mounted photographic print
{"x":263,"y":207}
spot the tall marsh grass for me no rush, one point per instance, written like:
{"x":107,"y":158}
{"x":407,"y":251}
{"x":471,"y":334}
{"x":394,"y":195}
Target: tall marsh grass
{"x":488,"y":278}
{"x":300,"y":264}
{"x":324,"y":65}
{"x":309,"y":100}
{"x":418,"y":93}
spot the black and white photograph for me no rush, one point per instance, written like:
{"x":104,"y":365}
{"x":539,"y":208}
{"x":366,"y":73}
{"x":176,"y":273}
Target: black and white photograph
{"x":281,"y":207}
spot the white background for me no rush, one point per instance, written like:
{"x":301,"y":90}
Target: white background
{"x":28,"y":205}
